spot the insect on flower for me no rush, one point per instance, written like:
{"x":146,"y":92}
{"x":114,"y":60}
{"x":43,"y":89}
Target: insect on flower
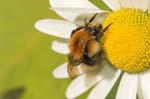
{"x":85,"y":46}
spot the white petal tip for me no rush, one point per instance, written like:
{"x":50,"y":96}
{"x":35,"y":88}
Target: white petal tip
{"x":61,"y":72}
{"x":71,"y":95}
{"x":41,"y":25}
{"x":36,"y":25}
{"x":60,"y":46}
{"x":58,"y":28}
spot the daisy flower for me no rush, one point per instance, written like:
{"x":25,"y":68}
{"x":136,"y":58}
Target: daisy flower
{"x":126,"y":45}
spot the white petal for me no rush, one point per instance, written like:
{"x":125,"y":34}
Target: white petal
{"x":80,"y":85}
{"x":72,"y":8}
{"x":86,"y":81}
{"x":72,"y":3}
{"x":149,"y":6}
{"x":103,"y":88}
{"x":138,"y":4}
{"x":141,"y":4}
{"x":72,"y":13}
{"x":145,"y":85}
{"x":60,"y":46}
{"x":57,"y":28}
{"x":128,"y":86}
{"x":139,"y":89}
{"x":82,"y":19}
{"x":113,"y":4}
{"x":61,"y":72}
{"x":127,"y":3}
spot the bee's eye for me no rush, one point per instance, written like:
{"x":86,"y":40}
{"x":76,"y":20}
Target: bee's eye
{"x":93,"y":31}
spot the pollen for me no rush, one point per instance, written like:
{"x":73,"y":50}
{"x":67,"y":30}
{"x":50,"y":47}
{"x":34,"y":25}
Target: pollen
{"x":126,"y":43}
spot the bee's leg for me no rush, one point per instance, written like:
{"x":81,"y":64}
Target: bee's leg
{"x":73,"y":71}
{"x":99,"y":57}
{"x":100,"y":27}
{"x":101,"y":33}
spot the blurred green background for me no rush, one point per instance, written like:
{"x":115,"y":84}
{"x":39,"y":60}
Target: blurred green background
{"x":26,"y":60}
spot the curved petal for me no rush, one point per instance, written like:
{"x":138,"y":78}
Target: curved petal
{"x":82,"y":19}
{"x":80,"y":85}
{"x":144,"y":79}
{"x":69,"y":9}
{"x":103,"y":88}
{"x":60,"y":46}
{"x":86,"y":81}
{"x":128,"y":86}
{"x":61,"y":71}
{"x":58,"y":28}
{"x":113,"y":4}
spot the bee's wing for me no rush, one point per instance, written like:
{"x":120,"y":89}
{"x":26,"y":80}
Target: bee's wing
{"x":74,"y":71}
{"x":58,"y":28}
{"x":70,"y":9}
{"x":84,"y":18}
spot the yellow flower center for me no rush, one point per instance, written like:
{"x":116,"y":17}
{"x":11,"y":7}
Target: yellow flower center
{"x":126,"y":43}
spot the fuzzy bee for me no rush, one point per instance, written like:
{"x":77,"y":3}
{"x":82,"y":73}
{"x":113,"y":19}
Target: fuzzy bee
{"x":85,"y":47}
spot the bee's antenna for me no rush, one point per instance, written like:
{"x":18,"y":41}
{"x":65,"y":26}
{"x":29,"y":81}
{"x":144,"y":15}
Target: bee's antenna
{"x":86,"y":25}
{"x":92,"y":18}
{"x":106,"y":27}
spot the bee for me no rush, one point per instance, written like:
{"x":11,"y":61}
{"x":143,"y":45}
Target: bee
{"x":85,"y":47}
